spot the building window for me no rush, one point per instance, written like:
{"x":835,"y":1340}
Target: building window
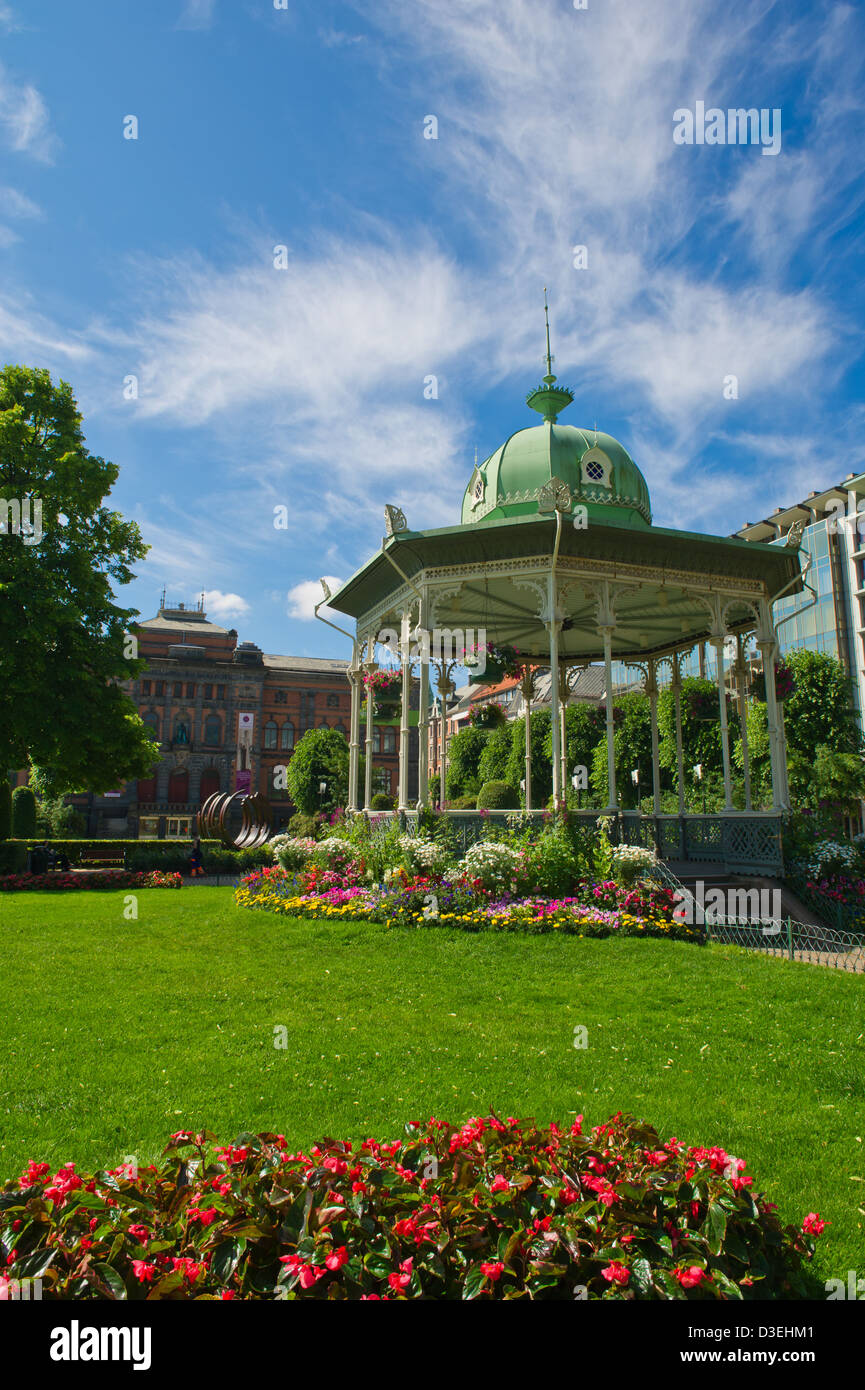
{"x":145,"y":687}
{"x":160,"y":687}
{"x":178,"y":690}
{"x":381,"y":779}
{"x":209,"y":782}
{"x":376,"y":739}
{"x":389,"y":745}
{"x":178,"y":788}
{"x":212,"y":730}
{"x":148,"y":828}
{"x":270,"y":734}
{"x":281,"y":697}
{"x":208,"y":692}
{"x":178,"y":829}
{"x":286,"y":737}
{"x":220,"y":692}
{"x":146,"y":789}
{"x":333,"y":702}
{"x":190,"y":691}
{"x":152,"y":722}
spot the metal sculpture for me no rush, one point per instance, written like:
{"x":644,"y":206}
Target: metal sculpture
{"x":256,"y":825}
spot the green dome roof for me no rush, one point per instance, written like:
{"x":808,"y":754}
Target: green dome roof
{"x":598,"y":470}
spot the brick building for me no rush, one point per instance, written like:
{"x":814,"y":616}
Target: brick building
{"x":199,"y":681}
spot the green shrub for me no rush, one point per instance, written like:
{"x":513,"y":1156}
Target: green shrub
{"x":302,"y":826}
{"x":5,"y":809}
{"x":381,"y":802}
{"x":23,"y":813}
{"x":493,"y":765}
{"x":464,"y":803}
{"x":498,"y":796}
{"x":509,"y":1210}
{"x":13,"y":857}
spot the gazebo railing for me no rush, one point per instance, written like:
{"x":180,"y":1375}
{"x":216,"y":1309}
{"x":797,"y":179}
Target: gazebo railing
{"x":739,"y":844}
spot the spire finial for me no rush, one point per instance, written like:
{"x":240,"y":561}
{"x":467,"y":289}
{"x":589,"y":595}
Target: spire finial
{"x":549,"y":377}
{"x":549,"y":400}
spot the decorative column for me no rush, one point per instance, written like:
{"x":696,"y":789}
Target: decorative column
{"x":677,"y":704}
{"x":553,"y":629}
{"x":743,"y":718}
{"x":652,"y":692}
{"x":527,"y":686}
{"x":445,"y":688}
{"x":370,"y":666}
{"x":564,"y":697}
{"x":607,"y":631}
{"x":718,"y":640}
{"x":768,"y":647}
{"x":423,"y":716}
{"x":354,"y":676}
{"x":405,"y":657}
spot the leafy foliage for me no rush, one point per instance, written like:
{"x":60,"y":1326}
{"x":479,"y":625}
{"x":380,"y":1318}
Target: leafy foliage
{"x":66,"y":649}
{"x":23,"y":813}
{"x":542,"y":768}
{"x":464,"y":755}
{"x":497,"y":796}
{"x":496,"y":1209}
{"x":5,"y":809}
{"x":321,"y":755}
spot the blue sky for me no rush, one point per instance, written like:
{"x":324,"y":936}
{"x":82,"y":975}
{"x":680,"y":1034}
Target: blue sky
{"x":410,"y":257}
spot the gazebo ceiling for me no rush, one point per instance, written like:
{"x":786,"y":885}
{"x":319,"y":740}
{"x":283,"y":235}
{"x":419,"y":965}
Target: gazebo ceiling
{"x":487,"y":574}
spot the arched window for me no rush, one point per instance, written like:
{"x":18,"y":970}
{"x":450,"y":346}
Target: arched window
{"x":152,"y":722}
{"x":270,"y":734}
{"x":146,"y":791}
{"x":212,"y":730}
{"x":209,"y":782}
{"x":286,"y":737}
{"x":178,"y":787}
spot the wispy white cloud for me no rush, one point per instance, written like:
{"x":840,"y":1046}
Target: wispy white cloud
{"x":16,"y":204}
{"x":24,"y":119}
{"x":197,"y":14}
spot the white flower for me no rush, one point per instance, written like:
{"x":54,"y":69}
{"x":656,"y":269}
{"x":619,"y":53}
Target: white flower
{"x":493,"y":863}
{"x":291,"y":852}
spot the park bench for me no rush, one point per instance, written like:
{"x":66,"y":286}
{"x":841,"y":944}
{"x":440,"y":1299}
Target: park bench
{"x":106,"y":855}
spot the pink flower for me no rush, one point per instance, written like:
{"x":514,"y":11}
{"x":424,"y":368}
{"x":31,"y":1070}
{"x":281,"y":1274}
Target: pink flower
{"x":813,"y":1225}
{"x":692,"y":1277}
{"x":500,"y":1184}
{"x":401,"y":1280}
{"x":492,"y":1269}
{"x":143,"y":1271}
{"x":616,"y":1273}
{"x":337,"y":1258}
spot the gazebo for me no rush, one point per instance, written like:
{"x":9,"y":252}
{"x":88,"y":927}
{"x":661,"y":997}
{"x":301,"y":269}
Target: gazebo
{"x":555,"y":555}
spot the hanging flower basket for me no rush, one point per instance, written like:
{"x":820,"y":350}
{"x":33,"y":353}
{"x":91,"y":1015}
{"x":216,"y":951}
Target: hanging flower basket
{"x":785,"y":683}
{"x":490,"y":716}
{"x":386,"y":687}
{"x":496,"y":661}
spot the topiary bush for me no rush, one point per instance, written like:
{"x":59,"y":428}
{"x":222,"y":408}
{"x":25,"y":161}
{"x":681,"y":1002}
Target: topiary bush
{"x":381,"y":802}
{"x":303,"y":826}
{"x":498,"y":796}
{"x":5,"y":809}
{"x":13,"y":857}
{"x":492,"y":1209}
{"x":23,"y":813}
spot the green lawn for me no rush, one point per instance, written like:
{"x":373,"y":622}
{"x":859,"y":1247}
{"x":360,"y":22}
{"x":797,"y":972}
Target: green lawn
{"x":118,"y":1032}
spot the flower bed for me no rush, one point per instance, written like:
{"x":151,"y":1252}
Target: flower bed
{"x":425,"y":900}
{"x":109,"y":878}
{"x":493,"y":1209}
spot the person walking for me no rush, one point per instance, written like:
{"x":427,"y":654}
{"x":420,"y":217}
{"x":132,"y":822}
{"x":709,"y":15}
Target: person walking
{"x":196,"y":866}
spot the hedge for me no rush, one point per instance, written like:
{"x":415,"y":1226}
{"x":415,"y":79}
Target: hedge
{"x":13,"y":857}
{"x":23,"y":813}
{"x":5,"y":809}
{"x":498,"y":796}
{"x":494,"y":1209}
